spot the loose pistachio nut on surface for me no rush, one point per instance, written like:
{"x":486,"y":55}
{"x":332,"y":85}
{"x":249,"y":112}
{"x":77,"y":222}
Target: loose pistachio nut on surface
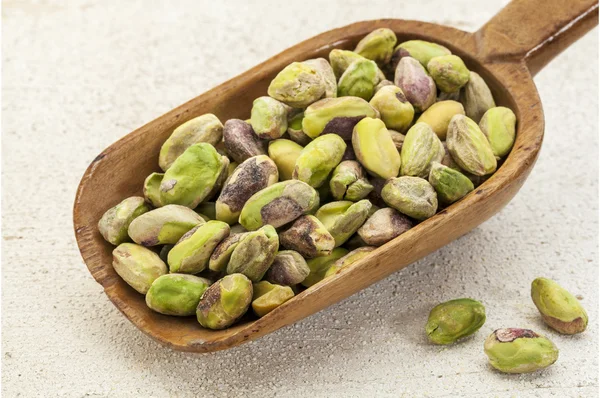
{"x":559,"y":308}
{"x":254,"y":253}
{"x":114,"y":223}
{"x":309,"y":237}
{"x":454,"y":319}
{"x":165,"y":225}
{"x":375,"y":149}
{"x":240,"y":140}
{"x":343,"y":218}
{"x":224,"y":302}
{"x":176,"y":294}
{"x":420,"y":149}
{"x":412,"y":196}
{"x":318,"y":159}
{"x":268,"y":296}
{"x":384,"y":225}
{"x":469,"y":147}
{"x":498,"y":125}
{"x":137,"y":265}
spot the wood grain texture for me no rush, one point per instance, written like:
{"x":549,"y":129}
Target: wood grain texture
{"x":120,"y":170}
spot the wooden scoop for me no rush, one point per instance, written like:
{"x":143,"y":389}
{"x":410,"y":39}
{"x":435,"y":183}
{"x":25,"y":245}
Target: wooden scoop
{"x":507,"y":51}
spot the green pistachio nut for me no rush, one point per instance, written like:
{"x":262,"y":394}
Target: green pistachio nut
{"x":288,"y":269}
{"x":349,"y":182}
{"x":224,"y":302}
{"x":309,"y":237}
{"x":416,"y":84}
{"x":398,"y":139}
{"x":359,"y":80}
{"x":223,"y":176}
{"x":449,"y":72}
{"x":319,"y":265}
{"x":454,"y":319}
{"x":206,"y":128}
{"x":278,"y":204}
{"x":383,"y":226}
{"x":191,"y":253}
{"x":295,"y":129}
{"x":476,"y":97}
{"x":336,"y":115}
{"x":152,"y":189}
{"x":268,"y":118}
{"x":240,"y":141}
{"x":559,"y":308}
{"x":297,"y":85}
{"x":137,"y":265}
{"x":448,"y":161}
{"x":438,"y":116}
{"x":268,"y":296}
{"x":498,"y":125}
{"x":375,"y":149}
{"x":469,"y":147}
{"x":251,"y":176}
{"x":254,"y":253}
{"x":412,"y":196}
{"x":343,"y":218}
{"x":114,"y":223}
{"x":340,"y":60}
{"x":318,"y":159}
{"x":326,"y":72}
{"x":176,"y":294}
{"x":422,"y":51}
{"x":450,"y":185}
{"x":377,"y":46}
{"x":395,"y":110}
{"x":421,"y":148}
{"x":284,"y":153}
{"x":514,"y":350}
{"x":208,"y":210}
{"x":222,"y":254}
{"x":165,"y":225}
{"x":192,"y":177}
{"x":348,"y":259}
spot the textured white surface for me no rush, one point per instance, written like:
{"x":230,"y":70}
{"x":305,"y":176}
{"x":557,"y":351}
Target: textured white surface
{"x":79,"y":75}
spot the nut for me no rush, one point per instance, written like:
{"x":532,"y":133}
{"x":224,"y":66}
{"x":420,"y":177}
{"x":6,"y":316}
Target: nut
{"x":278,"y":204}
{"x":318,"y":266}
{"x":519,"y":350}
{"x":348,"y":182}
{"x":395,"y":110}
{"x":191,"y":253}
{"x":268,"y":118}
{"x":375,"y":149}
{"x":560,"y":310}
{"x":498,"y":125}
{"x":254,"y":253}
{"x":309,"y":237}
{"x":251,"y":176}
{"x":416,"y":84}
{"x":422,"y":51}
{"x":318,"y":159}
{"x":240,"y":141}
{"x":359,"y":80}
{"x":284,"y":153}
{"x":114,"y":223}
{"x":297,"y":85}
{"x":469,"y":147}
{"x":377,"y":45}
{"x":438,"y":116}
{"x":383,"y":226}
{"x":224,"y":302}
{"x":449,"y":72}
{"x":420,"y":149}
{"x":450,"y":185}
{"x":176,"y":294}
{"x":295,"y":128}
{"x":454,"y":319}
{"x":152,"y":189}
{"x":206,"y":128}
{"x":340,"y":60}
{"x":223,"y":176}
{"x":343,"y":218}
{"x":165,"y":225}
{"x":289,"y":268}
{"x":268,"y":296}
{"x":382,"y":84}
{"x":222,"y":254}
{"x":412,"y":196}
{"x":398,"y":139}
{"x":326,"y":72}
{"x":476,"y":97}
{"x":137,"y":265}
{"x":348,"y":259}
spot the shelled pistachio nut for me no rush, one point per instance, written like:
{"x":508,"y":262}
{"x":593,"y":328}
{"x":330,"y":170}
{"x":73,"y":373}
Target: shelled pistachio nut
{"x":438,"y":116}
{"x":297,"y":85}
{"x":397,"y":139}
{"x":326,"y":72}
{"x":336,"y":115}
{"x":476,"y":97}
{"x":284,"y":153}
{"x":319,"y":265}
{"x":420,"y":149}
{"x":268,"y":296}
{"x":416,"y":84}
{"x":165,"y":225}
{"x":343,"y":218}
{"x":449,"y":72}
{"x":498,"y":125}
{"x":240,"y":141}
{"x":450,"y":185}
{"x":309,"y":237}
{"x":176,"y":294}
{"x":152,"y":189}
{"x":377,"y":46}
{"x":223,"y":176}
{"x":395,"y":110}
{"x":348,"y":259}
{"x":222,"y":253}
{"x":340,"y":60}
{"x":295,"y":129}
{"x":384,"y":225}
{"x":224,"y":302}
{"x":318,"y":159}
{"x":375,"y":149}
{"x":469,"y":147}
{"x":422,"y":51}
{"x":114,"y":223}
{"x":137,"y":265}
{"x":289,"y":268}
{"x":359,"y":80}
{"x":454,"y":319}
{"x":383,"y":84}
{"x":254,"y":253}
{"x":268,"y":118}
{"x":559,"y":308}
{"x":349,"y":182}
{"x":412,"y":196}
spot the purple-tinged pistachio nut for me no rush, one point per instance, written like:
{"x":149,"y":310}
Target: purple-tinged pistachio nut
{"x":309,"y":237}
{"x":240,"y":141}
{"x":383,"y":226}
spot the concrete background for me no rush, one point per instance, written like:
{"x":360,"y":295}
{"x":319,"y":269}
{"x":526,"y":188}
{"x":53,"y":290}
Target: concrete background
{"x":78,"y":75}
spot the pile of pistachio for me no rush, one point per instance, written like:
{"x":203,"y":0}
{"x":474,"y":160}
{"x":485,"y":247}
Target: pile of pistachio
{"x":511,"y":350}
{"x":334,"y":162}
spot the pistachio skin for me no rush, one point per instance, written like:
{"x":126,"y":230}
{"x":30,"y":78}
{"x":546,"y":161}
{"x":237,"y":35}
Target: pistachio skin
{"x":137,"y":266}
{"x":318,"y":266}
{"x":384,"y":225}
{"x":114,"y":223}
{"x":396,"y":111}
{"x":224,"y":302}
{"x":416,"y":84}
{"x":519,"y":350}
{"x":165,"y":225}
{"x":336,"y":115}
{"x":348,"y":182}
{"x":421,"y":148}
{"x":450,"y":185}
{"x":318,"y":159}
{"x":326,"y":72}
{"x":268,"y":296}
{"x":297,"y":85}
{"x":469,"y":147}
{"x":152,"y":189}
{"x":343,"y":218}
{"x":476,"y":97}
{"x":422,"y":51}
{"x":254,"y":253}
{"x":412,"y":196}
{"x":359,"y":80}
{"x":454,"y":319}
{"x":498,"y":124}
{"x":289,"y":268}
{"x":559,"y":308}
{"x":284,"y":153}
{"x":449,"y":72}
{"x":240,"y":140}
{"x":176,"y":294}
{"x":268,"y":118}
{"x":374,"y":148}
{"x":377,"y":46}
{"x":309,"y":237}
{"x":438,"y":116}
{"x":348,"y":259}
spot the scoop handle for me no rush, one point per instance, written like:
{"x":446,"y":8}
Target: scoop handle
{"x":535,"y":30}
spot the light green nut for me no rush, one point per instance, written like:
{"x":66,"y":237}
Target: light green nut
{"x":498,"y":125}
{"x":137,"y":265}
{"x":224,"y":302}
{"x":420,"y":149}
{"x":284,"y":153}
{"x":326,"y":72}
{"x":278,"y":204}
{"x":297,"y":85}
{"x":207,"y":210}
{"x":374,"y":148}
{"x":114,"y":223}
{"x":359,"y":80}
{"x":251,"y":176}
{"x":254,"y":253}
{"x":340,"y":60}
{"x":318,"y":266}
{"x":176,"y":294}
{"x":268,"y":296}
{"x":377,"y":45}
{"x":206,"y":128}
{"x":559,"y":308}
{"x":191,"y":253}
{"x":449,"y":72}
{"x":422,"y":51}
{"x":438,"y":116}
{"x":412,"y":196}
{"x":269,"y":118}
{"x":454,"y":319}
{"x":309,"y":237}
{"x":469,"y":147}
{"x":192,"y":177}
{"x":514,"y":350}
{"x":295,"y":129}
{"x":450,"y":185}
{"x":336,"y":115}
{"x":396,"y":111}
{"x":348,"y":259}
{"x":318,"y":159}
{"x":349,"y":182}
{"x":222,"y":253}
{"x":343,"y":218}
{"x":476,"y":97}
{"x":288,"y":269}
{"x":152,"y":189}
{"x":165,"y":225}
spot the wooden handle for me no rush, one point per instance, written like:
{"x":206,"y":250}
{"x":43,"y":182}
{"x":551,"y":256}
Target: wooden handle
{"x":536,"y":30}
